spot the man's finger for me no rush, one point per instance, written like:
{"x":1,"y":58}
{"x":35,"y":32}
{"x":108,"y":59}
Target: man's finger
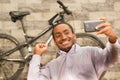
{"x":104,"y":19}
{"x":102,"y":25}
{"x":104,"y":31}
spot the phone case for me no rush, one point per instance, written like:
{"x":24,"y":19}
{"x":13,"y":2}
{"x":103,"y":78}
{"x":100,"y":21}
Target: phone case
{"x":90,"y":26}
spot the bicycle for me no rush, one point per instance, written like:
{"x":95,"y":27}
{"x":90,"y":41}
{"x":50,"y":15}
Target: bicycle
{"x":12,"y":55}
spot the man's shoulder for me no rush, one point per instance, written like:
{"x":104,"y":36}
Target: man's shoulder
{"x":78,"y":47}
{"x":54,"y":61}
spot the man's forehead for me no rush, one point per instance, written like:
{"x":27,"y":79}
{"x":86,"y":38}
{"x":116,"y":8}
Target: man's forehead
{"x":62,"y":25}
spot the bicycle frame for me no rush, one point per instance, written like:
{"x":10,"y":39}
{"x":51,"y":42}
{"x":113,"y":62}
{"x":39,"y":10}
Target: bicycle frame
{"x":54,"y":20}
{"x":27,"y":43}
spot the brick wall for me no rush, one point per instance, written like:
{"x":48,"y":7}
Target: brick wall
{"x":43,"y":10}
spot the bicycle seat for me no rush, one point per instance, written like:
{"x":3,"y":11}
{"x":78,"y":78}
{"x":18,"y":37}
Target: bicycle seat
{"x":18,"y":15}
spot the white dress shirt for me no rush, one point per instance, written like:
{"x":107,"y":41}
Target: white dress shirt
{"x":80,"y":63}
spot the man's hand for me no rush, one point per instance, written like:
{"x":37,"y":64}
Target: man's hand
{"x":107,"y":30}
{"x":40,"y":48}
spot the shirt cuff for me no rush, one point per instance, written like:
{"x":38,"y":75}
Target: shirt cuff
{"x":35,"y":60}
{"x":117,"y":44}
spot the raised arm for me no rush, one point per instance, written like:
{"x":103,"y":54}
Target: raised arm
{"x":104,"y":58}
{"x":112,"y":38}
{"x":35,"y":73}
{"x":107,"y":30}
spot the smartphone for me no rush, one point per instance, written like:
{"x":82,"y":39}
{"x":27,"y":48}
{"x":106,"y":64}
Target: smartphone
{"x":90,"y":26}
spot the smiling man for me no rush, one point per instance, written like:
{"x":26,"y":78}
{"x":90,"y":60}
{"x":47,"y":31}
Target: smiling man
{"x":64,"y":36}
{"x":75,"y":62}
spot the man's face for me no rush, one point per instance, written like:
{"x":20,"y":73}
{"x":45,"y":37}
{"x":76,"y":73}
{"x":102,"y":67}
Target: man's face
{"x":63,"y":37}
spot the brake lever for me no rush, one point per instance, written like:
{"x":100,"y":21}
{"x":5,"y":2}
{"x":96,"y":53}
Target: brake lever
{"x":66,"y":10}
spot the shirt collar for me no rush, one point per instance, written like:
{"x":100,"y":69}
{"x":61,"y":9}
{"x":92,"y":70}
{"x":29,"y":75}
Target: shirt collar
{"x":72,"y":50}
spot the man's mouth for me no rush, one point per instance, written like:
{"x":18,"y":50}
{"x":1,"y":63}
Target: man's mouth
{"x":65,"y":42}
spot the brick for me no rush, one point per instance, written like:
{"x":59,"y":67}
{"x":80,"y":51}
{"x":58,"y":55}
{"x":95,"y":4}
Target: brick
{"x":47,"y":15}
{"x":54,"y":8}
{"x":34,"y":7}
{"x":53,"y":1}
{"x":97,"y":1}
{"x":48,"y":1}
{"x":112,"y":75}
{"x":66,"y":1}
{"x":18,"y":1}
{"x":80,"y":15}
{"x":104,"y":7}
{"x":110,"y":15}
{"x":77,"y":25}
{"x":96,"y":15}
{"x":0,"y":25}
{"x":116,"y":24}
{"x":34,"y":17}
{"x":35,"y":24}
{"x":9,"y":7}
{"x":0,"y":7}
{"x":4,"y":1}
{"x":82,"y":1}
{"x":4,"y":16}
{"x":117,"y":27}
{"x":97,"y":7}
{"x":117,"y":6}
{"x":33,"y":32}
{"x":89,"y":7}
{"x":33,"y":1}
{"x":18,"y":34}
{"x":74,"y":7}
{"x":8,"y":25}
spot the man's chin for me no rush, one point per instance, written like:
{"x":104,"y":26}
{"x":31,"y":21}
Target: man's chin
{"x":66,"y":49}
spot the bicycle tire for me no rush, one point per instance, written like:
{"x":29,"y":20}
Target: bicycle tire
{"x":89,"y":40}
{"x":9,"y":70}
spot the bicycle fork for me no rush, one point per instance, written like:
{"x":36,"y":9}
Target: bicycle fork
{"x":29,"y":55}
{"x":30,"y":48}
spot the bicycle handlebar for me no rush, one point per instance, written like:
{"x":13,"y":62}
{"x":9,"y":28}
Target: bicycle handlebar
{"x":60,"y":14}
{"x":68,"y":12}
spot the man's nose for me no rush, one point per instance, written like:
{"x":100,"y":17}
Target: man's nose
{"x":64,"y":36}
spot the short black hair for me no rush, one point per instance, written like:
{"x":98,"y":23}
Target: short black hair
{"x":62,"y":23}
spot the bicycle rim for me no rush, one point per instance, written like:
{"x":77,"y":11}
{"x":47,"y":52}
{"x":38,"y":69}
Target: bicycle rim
{"x":84,"y":39}
{"x":9,"y":70}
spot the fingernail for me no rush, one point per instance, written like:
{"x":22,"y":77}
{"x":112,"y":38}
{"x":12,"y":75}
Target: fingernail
{"x":96,"y":27}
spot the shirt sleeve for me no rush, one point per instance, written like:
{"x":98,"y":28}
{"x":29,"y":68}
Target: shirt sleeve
{"x":112,"y":53}
{"x":34,"y":72}
{"x":104,"y":58}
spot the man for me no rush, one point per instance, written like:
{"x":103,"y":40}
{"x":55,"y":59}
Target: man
{"x":75,"y":62}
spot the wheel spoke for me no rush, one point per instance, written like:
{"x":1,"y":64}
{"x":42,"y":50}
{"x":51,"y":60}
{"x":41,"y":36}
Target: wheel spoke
{"x":10,"y":65}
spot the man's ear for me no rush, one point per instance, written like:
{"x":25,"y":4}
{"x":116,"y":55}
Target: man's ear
{"x":74,"y":36}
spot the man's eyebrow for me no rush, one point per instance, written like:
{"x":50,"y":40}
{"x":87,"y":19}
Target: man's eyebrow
{"x":65,"y":30}
{"x":57,"y":33}
{"x":60,"y":32}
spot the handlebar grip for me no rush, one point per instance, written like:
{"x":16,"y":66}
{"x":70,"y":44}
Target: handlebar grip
{"x":68,"y":12}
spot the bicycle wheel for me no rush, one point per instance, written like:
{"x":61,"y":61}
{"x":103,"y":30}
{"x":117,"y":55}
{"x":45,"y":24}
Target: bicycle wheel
{"x":9,"y":69}
{"x":84,"y":39}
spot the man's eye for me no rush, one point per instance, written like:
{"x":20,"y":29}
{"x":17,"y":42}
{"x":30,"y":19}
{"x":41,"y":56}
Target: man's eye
{"x":66,"y":33}
{"x":57,"y":35}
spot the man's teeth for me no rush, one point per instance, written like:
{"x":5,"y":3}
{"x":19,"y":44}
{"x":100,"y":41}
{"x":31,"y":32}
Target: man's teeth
{"x":65,"y":42}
